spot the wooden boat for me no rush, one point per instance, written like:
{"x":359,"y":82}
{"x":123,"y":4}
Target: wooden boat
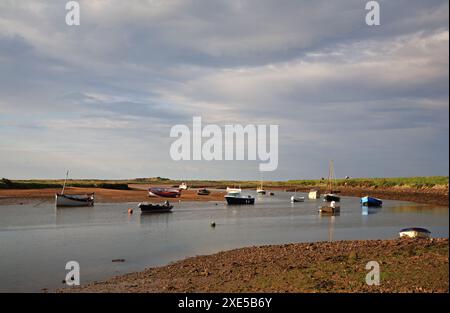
{"x":155,"y":208}
{"x":330,"y":209}
{"x":183,"y":186}
{"x":203,"y":192}
{"x":415,"y":232}
{"x":297,"y":199}
{"x":164,"y":192}
{"x":235,"y":198}
{"x":330,"y":195}
{"x":372,"y":202}
{"x":314,"y":194}
{"x":62,"y":199}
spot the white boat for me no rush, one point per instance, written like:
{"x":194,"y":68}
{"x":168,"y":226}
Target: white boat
{"x":74,"y":199}
{"x":234,"y":190}
{"x":183,"y":186}
{"x":415,"y":232}
{"x":314,"y":194}
{"x":62,"y":199}
{"x":260,"y":190}
{"x":297,"y":199}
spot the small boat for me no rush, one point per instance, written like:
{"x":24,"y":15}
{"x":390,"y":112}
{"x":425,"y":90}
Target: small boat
{"x":271,"y":194}
{"x":234,"y":190}
{"x":235,"y":198}
{"x":331,"y":197}
{"x":183,"y":186}
{"x":62,"y":199}
{"x":314,"y":194}
{"x":155,"y":208}
{"x":330,"y":209}
{"x":203,"y":192}
{"x":369,"y":201}
{"x":415,"y":232}
{"x":164,"y":192}
{"x":297,"y":199}
{"x":74,"y":199}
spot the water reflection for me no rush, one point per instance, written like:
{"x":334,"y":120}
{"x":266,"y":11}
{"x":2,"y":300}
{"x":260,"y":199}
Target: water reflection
{"x":365,"y":210}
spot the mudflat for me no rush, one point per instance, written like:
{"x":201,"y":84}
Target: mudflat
{"x":406,"y":265}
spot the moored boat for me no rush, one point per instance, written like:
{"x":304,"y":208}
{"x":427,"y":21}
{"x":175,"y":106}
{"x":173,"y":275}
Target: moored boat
{"x":314,"y":194}
{"x":297,"y":199}
{"x":74,"y":199}
{"x":370,"y":201}
{"x":164,"y":192}
{"x":330,"y":209}
{"x":415,"y":232}
{"x":155,"y":208}
{"x":234,"y":190}
{"x":183,"y":186}
{"x":203,"y":192}
{"x":331,"y":197}
{"x":235,"y":198}
{"x":62,"y":199}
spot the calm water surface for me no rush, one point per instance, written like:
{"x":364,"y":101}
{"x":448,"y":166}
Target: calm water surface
{"x":37,"y":240}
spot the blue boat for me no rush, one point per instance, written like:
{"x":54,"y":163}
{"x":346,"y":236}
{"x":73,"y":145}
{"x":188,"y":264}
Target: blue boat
{"x":369,"y":201}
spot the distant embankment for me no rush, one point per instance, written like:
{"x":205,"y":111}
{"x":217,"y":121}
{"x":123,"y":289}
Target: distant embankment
{"x":40,"y":184}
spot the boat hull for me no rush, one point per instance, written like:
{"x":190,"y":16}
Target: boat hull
{"x":239,"y":200}
{"x":203,"y":192}
{"x":371,"y":202}
{"x":331,"y":197}
{"x":62,"y":200}
{"x":164,"y":192}
{"x":415,"y":232}
{"x":155,"y":208}
{"x":297,"y":199}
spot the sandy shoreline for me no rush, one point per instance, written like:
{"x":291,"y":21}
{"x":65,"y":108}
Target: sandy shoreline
{"x":138,"y":193}
{"x":406,"y":265}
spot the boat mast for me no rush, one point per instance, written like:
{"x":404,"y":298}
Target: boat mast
{"x":331,"y":177}
{"x":64,"y":186}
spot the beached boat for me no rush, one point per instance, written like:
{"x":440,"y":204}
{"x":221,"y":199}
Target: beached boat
{"x":314,"y":194}
{"x":203,"y":192}
{"x":62,"y":199}
{"x":237,"y":198}
{"x":415,"y":232}
{"x":330,"y":195}
{"x":155,"y":208}
{"x":297,"y":199}
{"x":183,"y":186}
{"x":332,"y":208}
{"x":164,"y":192}
{"x":370,"y":201}
{"x":74,"y":199}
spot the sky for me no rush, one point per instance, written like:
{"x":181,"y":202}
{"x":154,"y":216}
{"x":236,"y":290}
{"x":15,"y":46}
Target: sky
{"x":100,"y":98}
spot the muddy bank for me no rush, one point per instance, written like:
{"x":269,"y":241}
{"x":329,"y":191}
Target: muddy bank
{"x":406,"y":265}
{"x":138,"y":193}
{"x":435,"y":195}
{"x":24,"y":196}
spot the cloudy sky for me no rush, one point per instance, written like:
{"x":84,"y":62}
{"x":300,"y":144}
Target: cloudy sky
{"x":100,"y":98}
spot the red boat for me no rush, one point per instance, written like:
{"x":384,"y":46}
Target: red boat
{"x":164,"y":192}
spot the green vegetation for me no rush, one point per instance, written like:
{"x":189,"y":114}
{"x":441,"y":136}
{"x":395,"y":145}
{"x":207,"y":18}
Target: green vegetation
{"x":413,"y":182}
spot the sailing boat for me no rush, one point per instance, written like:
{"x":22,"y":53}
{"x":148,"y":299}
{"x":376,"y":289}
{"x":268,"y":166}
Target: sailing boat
{"x":63,"y":199}
{"x":260,"y":190}
{"x":329,"y":195}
